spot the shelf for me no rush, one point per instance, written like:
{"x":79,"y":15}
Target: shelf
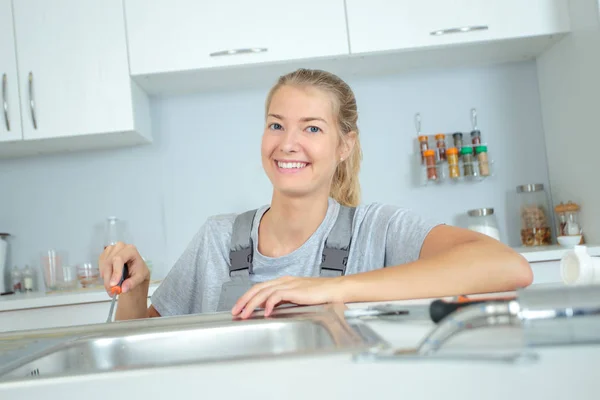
{"x":551,"y":253}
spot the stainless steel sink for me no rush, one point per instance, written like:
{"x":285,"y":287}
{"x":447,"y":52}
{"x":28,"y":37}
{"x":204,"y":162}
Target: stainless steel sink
{"x":106,"y":348}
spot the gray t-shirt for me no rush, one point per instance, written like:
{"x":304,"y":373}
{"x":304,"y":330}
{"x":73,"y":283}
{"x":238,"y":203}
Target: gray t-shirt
{"x":382,"y":235}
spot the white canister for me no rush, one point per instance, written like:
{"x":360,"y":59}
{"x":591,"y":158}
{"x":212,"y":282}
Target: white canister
{"x":3,"y":254}
{"x":483,"y":220}
{"x":577,"y":267}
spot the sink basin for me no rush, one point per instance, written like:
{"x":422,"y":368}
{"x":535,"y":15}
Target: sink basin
{"x":105,"y":348}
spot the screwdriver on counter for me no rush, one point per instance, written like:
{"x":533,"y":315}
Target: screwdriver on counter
{"x":436,"y":310}
{"x":116,"y":290}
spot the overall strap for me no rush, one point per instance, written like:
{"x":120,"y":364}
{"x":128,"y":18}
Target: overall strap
{"x":241,"y":248}
{"x":335,"y":251}
{"x":337,"y":245}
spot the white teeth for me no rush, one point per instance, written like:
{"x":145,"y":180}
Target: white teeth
{"x":289,"y":165}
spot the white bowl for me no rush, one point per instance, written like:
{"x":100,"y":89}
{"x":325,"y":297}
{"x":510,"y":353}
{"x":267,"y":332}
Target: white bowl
{"x":569,"y":241}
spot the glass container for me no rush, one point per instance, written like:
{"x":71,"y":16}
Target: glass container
{"x":567,"y":219}
{"x":440,"y":139}
{"x":423,"y":146}
{"x":458,"y":141}
{"x":476,"y":138}
{"x":482,"y":160}
{"x":467,"y":157}
{"x":535,"y":220}
{"x":453,"y":168}
{"x":483,"y":220}
{"x":432,"y":173}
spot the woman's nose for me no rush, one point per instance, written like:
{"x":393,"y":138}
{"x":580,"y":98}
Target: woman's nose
{"x":289,"y":141}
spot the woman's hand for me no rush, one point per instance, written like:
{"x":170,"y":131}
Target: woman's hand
{"x":111,"y":263}
{"x":302,"y":291}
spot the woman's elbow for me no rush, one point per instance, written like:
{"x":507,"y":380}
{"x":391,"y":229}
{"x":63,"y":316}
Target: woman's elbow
{"x":522,"y":275}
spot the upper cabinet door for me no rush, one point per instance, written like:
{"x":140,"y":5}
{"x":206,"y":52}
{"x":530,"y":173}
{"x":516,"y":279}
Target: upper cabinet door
{"x":178,"y":35}
{"x":10,"y":118}
{"x":379,"y":25}
{"x":73,"y":69}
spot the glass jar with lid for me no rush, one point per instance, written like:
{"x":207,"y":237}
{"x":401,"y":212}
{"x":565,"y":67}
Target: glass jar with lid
{"x":483,"y":220}
{"x":536,"y":225}
{"x":568,"y":219}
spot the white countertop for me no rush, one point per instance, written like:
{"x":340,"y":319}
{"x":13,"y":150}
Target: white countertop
{"x":551,"y":253}
{"x":80,"y":296}
{"x":20,"y":301}
{"x":559,"y":373}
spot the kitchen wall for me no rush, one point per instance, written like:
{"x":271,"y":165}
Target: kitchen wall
{"x":206,"y":160}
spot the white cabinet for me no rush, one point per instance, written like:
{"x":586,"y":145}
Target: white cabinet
{"x":73,"y":77}
{"x":10,"y":120}
{"x":380,"y":25}
{"x":182,"y":35}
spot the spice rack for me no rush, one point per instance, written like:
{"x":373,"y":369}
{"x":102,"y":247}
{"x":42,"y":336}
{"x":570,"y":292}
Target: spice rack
{"x":452,"y":157}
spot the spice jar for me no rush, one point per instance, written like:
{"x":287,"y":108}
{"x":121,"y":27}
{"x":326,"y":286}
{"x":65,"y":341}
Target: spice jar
{"x":482,"y":159}
{"x":535,"y":222}
{"x":567,"y":216}
{"x":432,"y":173}
{"x":476,"y":138}
{"x":458,"y":141}
{"x":453,"y":167}
{"x":441,"y":146}
{"x":467,"y":156}
{"x":483,"y":220}
{"x":424,"y":146}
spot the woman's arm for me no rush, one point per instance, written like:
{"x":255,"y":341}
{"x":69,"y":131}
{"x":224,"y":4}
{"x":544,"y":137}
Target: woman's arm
{"x":453,"y":261}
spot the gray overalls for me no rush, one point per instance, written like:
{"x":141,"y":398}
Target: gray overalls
{"x":333,"y":261}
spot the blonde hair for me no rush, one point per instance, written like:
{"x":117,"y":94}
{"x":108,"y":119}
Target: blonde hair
{"x":345,"y":187}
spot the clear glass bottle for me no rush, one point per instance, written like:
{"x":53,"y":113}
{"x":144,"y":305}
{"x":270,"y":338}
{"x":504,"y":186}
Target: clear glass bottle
{"x":483,"y":220}
{"x":482,"y":160}
{"x":432,"y":172}
{"x":423,"y":146}
{"x":16,"y":279}
{"x":467,"y":158}
{"x":28,"y":279}
{"x":440,"y":140}
{"x":536,"y":225}
{"x":453,"y":168}
{"x":476,"y":138}
{"x":567,"y":216}
{"x":458,"y":142}
{"x":113,"y":231}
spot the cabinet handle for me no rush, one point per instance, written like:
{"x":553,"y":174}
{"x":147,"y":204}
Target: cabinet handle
{"x":462,"y":29}
{"x":234,"y":52}
{"x":5,"y":103}
{"x":31,"y":101}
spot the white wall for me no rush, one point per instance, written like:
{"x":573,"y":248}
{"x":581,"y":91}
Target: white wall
{"x":569,"y":75}
{"x":206,"y":160}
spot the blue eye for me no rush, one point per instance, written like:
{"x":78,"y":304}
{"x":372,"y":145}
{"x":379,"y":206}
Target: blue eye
{"x":275,"y":126}
{"x":314,"y":129}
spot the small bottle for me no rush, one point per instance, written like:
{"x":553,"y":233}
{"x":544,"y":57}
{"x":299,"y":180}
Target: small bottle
{"x":432,"y":173}
{"x":113,"y":231}
{"x":424,"y":146}
{"x":458,"y":141}
{"x":453,"y":167}
{"x":482,"y":159}
{"x":476,"y":138}
{"x":467,"y":156}
{"x":441,"y":146}
{"x":15,"y":276}
{"x":28,"y":284}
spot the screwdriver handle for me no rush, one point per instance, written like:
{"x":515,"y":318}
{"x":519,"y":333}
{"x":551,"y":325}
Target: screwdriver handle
{"x":117,"y":288}
{"x":440,"y":309}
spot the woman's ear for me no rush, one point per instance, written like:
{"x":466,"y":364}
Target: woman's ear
{"x":347,"y":144}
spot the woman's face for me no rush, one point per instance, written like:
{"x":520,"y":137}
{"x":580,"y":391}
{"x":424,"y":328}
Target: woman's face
{"x":300,"y":146}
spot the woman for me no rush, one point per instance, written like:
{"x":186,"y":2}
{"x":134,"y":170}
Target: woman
{"x":314,"y":243}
